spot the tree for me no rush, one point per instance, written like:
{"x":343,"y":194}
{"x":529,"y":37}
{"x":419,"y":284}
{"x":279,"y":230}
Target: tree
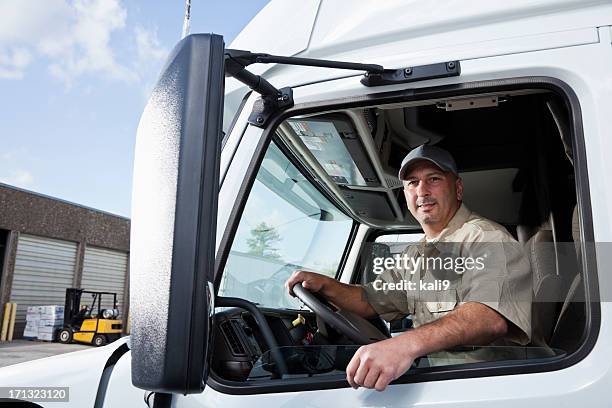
{"x":263,"y":240}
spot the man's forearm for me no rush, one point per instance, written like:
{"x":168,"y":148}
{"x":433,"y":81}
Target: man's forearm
{"x":469,"y":324}
{"x":348,"y":297}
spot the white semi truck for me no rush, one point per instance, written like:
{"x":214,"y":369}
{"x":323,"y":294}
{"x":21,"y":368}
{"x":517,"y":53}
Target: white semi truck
{"x":291,"y":163}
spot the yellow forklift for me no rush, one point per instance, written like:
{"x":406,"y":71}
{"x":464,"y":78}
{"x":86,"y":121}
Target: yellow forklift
{"x":89,"y":324}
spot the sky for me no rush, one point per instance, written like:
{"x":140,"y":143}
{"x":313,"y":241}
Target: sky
{"x":75,"y":76}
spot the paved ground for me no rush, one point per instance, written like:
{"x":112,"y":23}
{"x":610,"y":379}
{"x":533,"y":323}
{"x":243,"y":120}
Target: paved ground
{"x":19,"y":351}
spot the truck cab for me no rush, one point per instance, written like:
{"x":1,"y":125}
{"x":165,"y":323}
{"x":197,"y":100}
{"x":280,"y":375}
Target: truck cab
{"x":246,"y":171}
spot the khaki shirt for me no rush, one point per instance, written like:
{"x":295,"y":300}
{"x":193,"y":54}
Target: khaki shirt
{"x":498,"y":276}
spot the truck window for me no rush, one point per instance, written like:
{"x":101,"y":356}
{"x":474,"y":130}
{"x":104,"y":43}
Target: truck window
{"x":232,"y":106}
{"x":526,"y":180}
{"x":287,"y":225}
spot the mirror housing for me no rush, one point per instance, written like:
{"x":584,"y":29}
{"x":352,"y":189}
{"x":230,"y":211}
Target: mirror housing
{"x":174,"y":216}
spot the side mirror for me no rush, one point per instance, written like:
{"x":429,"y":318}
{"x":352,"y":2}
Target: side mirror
{"x":174,"y":216}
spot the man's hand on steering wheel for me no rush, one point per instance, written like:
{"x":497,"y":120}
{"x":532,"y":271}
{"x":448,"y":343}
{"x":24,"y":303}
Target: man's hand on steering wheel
{"x":381,"y":359}
{"x":354,"y":326}
{"x":312,"y":281}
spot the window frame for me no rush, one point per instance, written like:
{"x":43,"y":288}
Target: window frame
{"x":471,"y":370}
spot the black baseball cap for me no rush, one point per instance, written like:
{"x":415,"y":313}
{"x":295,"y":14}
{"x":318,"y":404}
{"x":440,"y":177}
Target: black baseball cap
{"x":436,"y":155}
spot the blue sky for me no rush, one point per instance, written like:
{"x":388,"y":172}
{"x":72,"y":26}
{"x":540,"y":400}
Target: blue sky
{"x":74,"y":78}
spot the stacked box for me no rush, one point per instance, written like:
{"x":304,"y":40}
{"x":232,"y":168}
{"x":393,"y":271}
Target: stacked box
{"x":33,"y":310}
{"x":51,"y":319}
{"x":52,"y":312}
{"x":50,"y":322}
{"x":32,"y":322}
{"x":43,"y":321}
{"x":47,"y":333}
{"x":51,"y":309}
{"x":31,"y":331}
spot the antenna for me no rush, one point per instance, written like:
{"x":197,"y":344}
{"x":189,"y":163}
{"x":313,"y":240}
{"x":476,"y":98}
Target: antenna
{"x":187,"y":20}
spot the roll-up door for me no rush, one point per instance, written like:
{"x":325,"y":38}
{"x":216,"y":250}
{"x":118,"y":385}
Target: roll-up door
{"x":44,"y":268}
{"x":105,"y":270}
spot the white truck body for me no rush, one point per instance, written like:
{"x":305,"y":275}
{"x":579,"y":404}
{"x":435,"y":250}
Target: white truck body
{"x":569,"y":41}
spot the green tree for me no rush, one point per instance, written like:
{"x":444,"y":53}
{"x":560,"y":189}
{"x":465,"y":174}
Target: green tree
{"x":263,"y":240}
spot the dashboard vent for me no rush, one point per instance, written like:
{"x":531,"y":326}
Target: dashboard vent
{"x":229,"y":331}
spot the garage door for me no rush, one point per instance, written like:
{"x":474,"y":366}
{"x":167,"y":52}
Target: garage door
{"x":105,"y":270}
{"x":44,"y":268}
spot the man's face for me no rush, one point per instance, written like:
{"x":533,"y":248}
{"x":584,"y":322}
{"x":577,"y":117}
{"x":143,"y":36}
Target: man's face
{"x":433,"y":195}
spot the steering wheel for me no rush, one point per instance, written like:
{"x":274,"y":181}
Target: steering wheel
{"x":348,"y":323}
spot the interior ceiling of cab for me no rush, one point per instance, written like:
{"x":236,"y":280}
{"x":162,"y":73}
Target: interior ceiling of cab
{"x":356,"y":154}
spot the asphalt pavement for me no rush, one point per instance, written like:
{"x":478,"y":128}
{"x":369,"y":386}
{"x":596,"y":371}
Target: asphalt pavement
{"x":18,"y":351}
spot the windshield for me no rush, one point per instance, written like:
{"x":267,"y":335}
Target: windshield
{"x":287,"y":225}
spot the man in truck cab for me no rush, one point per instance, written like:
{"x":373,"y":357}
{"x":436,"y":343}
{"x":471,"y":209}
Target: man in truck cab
{"x":488,"y":303}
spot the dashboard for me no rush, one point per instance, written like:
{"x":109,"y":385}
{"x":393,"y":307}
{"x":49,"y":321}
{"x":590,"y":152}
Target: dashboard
{"x":239,"y":344}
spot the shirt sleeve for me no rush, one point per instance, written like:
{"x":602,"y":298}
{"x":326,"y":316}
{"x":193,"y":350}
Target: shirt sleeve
{"x":504,"y":282}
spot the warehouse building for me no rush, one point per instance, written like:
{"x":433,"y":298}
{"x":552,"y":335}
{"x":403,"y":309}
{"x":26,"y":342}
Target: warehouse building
{"x":48,"y":245}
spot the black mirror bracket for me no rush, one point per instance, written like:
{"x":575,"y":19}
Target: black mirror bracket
{"x":412,"y":74}
{"x":273,"y":100}
{"x":268,"y":105}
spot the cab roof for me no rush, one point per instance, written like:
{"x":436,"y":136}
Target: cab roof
{"x":407,"y":33}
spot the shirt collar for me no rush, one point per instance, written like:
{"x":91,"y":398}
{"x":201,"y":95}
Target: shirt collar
{"x":460,"y":218}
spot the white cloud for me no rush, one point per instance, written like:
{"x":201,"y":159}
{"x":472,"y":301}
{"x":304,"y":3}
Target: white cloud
{"x":87,"y":49}
{"x":148,"y":47}
{"x":18,"y":178}
{"x":13,"y":62}
{"x":150,"y":55}
{"x":73,"y":35}
{"x":27,"y":21}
